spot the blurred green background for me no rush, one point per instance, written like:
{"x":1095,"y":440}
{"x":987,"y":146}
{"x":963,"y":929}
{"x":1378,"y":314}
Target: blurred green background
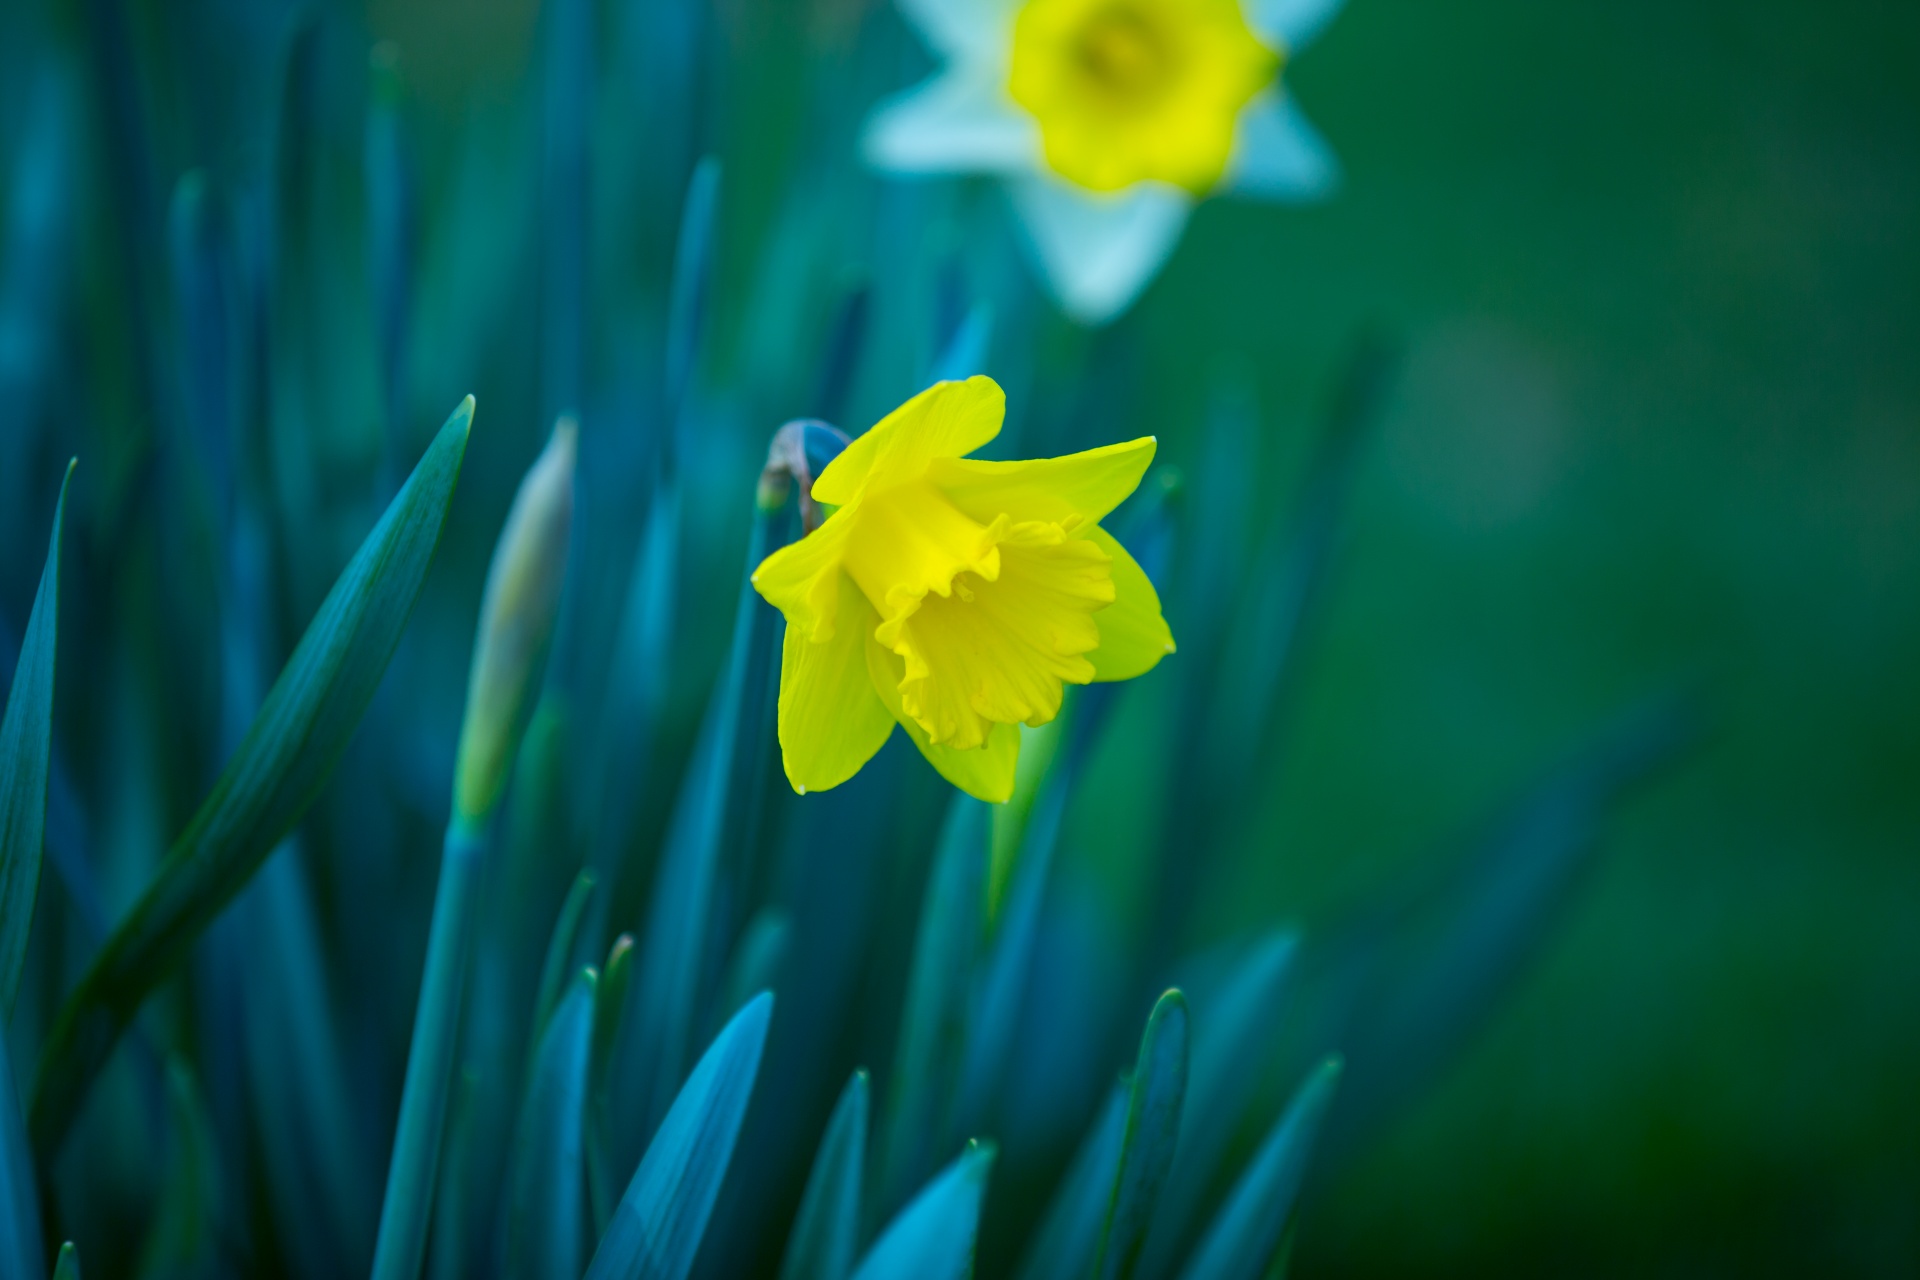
{"x":1655,"y":267}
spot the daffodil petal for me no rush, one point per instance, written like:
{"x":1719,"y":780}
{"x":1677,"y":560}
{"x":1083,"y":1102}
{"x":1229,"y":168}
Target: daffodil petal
{"x":984,"y":772}
{"x":1288,"y":25}
{"x":946,"y":420}
{"x":1083,"y":486}
{"x":972,"y":29}
{"x":1133,"y":635}
{"x":1097,"y":251}
{"x":1278,"y":155}
{"x":831,"y":719}
{"x":803,"y":580}
{"x":959,"y":122}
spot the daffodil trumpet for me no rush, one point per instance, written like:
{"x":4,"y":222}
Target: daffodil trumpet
{"x":953,"y":596}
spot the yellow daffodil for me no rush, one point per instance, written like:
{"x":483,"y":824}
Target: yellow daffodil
{"x":955,"y":596}
{"x":1108,"y":119}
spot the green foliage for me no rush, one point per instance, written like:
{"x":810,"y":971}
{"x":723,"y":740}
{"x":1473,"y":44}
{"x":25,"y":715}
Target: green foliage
{"x":547,"y":1212}
{"x":1153,"y":1131}
{"x":26,"y":741}
{"x":21,"y":1253}
{"x":933,"y":1237}
{"x":826,"y":1229}
{"x":292,"y":747}
{"x":1246,"y":1233}
{"x":658,"y":1227}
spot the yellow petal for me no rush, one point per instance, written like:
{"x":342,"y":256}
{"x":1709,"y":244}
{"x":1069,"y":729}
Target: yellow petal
{"x":946,"y":420}
{"x":831,"y":718}
{"x":1085,"y":486}
{"x":1133,"y":635}
{"x":999,"y":651}
{"x":984,"y":772}
{"x":803,"y":579}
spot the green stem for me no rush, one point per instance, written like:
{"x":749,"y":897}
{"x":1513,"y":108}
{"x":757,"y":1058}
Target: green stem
{"x":436,"y":1026}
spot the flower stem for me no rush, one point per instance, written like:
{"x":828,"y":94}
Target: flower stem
{"x":436,"y":1027}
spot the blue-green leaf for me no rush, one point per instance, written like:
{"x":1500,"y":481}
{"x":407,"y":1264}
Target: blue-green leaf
{"x":26,"y":740}
{"x":21,"y":1253}
{"x":560,"y":947}
{"x":1246,"y":1233}
{"x":1233,"y":1037}
{"x":548,"y":1206}
{"x":933,"y":1024}
{"x":715,"y":809}
{"x":1064,"y":1246}
{"x":183,"y":1238}
{"x":1002,"y":981}
{"x":609,"y":1008}
{"x":1153,"y":1127}
{"x":68,"y":1266}
{"x":692,"y":271}
{"x":657,"y":1229}
{"x":933,"y":1237}
{"x":1406,"y":989}
{"x":826,"y":1231}
{"x":296,"y":739}
{"x":757,"y":960}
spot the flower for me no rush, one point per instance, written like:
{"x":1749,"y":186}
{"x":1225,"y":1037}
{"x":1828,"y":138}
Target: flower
{"x":1108,"y":119}
{"x":953,"y":595}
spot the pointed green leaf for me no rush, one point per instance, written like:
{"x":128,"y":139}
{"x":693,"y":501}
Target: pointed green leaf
{"x":1232,"y":1039}
{"x":826,"y":1231}
{"x":1246,"y":1233}
{"x":26,"y":739}
{"x":757,"y":959}
{"x":559,"y":958}
{"x":1064,"y":1246}
{"x":933,"y":1237}
{"x":712,"y":817}
{"x":183,"y":1238}
{"x":933,"y":1023}
{"x":1410,"y":988}
{"x":1153,"y":1127}
{"x":68,"y":1267}
{"x":661,"y":1220}
{"x":548,"y":1208}
{"x":609,"y":1006}
{"x":21,"y":1253}
{"x":288,"y":754}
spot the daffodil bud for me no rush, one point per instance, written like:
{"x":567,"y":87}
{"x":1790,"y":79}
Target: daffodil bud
{"x":517,"y":615}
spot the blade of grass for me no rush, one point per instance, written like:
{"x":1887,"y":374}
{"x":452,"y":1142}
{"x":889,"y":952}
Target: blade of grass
{"x":1064,"y":1246}
{"x":559,"y":958}
{"x":609,"y":1006}
{"x":547,"y":1207}
{"x":26,"y":743}
{"x":21,"y":1253}
{"x":1153,"y":1127}
{"x":826,"y":1230}
{"x":285,"y":760}
{"x":1233,"y":1037}
{"x":933,"y":1023}
{"x":1245,"y":1235}
{"x":933,"y":1237}
{"x":662,"y":1218}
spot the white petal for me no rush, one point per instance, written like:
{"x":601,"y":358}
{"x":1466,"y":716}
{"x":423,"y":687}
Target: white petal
{"x":1277,"y":155}
{"x":964,"y":29}
{"x":1288,"y":24}
{"x":958,"y":122}
{"x":1097,"y":251}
